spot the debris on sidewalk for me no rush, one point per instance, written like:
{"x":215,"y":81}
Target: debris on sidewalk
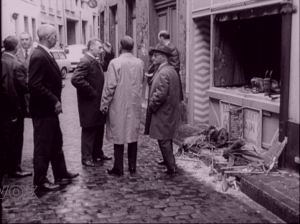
{"x":226,"y":158}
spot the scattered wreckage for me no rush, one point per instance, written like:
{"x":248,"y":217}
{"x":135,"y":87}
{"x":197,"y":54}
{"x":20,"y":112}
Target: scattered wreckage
{"x":229,"y":158}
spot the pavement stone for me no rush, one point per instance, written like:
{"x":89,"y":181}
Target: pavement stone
{"x":148,"y":196}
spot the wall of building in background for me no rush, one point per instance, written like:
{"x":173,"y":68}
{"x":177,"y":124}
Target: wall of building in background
{"x":74,"y":20}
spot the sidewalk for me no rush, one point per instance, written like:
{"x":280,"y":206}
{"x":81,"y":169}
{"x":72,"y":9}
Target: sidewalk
{"x":278,"y":193}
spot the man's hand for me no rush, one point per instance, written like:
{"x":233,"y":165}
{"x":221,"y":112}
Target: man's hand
{"x":107,"y":47}
{"x":104,"y":110}
{"x":58,"y":108}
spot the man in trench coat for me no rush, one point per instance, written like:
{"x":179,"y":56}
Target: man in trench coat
{"x":163,"y":107}
{"x":121,"y":98}
{"x":88,"y":79}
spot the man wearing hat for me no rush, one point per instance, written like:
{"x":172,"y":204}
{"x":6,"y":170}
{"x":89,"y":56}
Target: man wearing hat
{"x":163,"y":105}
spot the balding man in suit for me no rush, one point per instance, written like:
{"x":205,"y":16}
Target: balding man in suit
{"x":24,"y":52}
{"x":45,"y":88}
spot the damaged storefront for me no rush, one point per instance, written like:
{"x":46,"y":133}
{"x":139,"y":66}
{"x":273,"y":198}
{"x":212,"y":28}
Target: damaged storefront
{"x":245,"y":79}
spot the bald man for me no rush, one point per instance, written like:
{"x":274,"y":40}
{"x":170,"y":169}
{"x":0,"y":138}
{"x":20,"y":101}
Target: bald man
{"x":45,"y":87}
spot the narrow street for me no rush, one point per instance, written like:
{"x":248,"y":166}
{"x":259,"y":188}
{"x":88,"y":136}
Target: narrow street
{"x":147,"y":196}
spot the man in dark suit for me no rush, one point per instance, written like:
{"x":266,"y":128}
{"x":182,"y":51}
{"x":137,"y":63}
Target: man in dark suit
{"x":18,"y":74}
{"x":25,"y":50}
{"x":45,"y":88}
{"x":23,"y":54}
{"x":88,"y":79}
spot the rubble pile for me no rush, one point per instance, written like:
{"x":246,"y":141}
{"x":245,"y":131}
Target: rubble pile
{"x":228,"y":158}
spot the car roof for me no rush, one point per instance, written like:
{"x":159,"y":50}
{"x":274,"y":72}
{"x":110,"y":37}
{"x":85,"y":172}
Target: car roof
{"x":77,"y":46}
{"x":57,"y":50}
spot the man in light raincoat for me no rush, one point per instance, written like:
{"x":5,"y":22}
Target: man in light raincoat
{"x":121,"y":99}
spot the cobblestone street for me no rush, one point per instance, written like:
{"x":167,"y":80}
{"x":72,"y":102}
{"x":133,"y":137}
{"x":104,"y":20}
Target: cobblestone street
{"x":147,"y":196}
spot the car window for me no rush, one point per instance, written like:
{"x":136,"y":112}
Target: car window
{"x":62,"y":55}
{"x":55,"y":55}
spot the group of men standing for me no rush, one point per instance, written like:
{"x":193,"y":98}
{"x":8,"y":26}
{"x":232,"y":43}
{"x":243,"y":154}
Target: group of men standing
{"x":114,"y":99}
{"x":38,"y":74}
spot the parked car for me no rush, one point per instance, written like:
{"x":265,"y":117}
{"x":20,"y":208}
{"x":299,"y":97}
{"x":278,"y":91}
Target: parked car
{"x":62,"y":61}
{"x":74,"y":53}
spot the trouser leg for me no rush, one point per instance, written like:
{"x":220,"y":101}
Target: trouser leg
{"x":98,"y":143}
{"x":43,"y":133}
{"x":118,"y":154}
{"x":132,"y":155}
{"x":87,"y":142}
{"x":16,"y":146}
{"x":166,"y":148}
{"x":57,"y":157}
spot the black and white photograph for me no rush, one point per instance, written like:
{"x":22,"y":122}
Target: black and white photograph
{"x":150,"y":111}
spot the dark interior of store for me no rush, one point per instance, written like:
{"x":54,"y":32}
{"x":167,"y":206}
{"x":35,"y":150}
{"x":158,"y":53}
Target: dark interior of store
{"x":249,"y":48}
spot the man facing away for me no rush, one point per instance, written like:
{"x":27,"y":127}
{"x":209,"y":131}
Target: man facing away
{"x":121,"y":99}
{"x":88,"y":79}
{"x":18,"y":74}
{"x":163,"y":106}
{"x":45,"y":88}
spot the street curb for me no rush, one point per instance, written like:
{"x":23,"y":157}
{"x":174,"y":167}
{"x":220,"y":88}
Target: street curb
{"x":276,"y":203}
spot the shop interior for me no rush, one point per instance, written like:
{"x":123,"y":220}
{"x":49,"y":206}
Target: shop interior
{"x":247,"y":51}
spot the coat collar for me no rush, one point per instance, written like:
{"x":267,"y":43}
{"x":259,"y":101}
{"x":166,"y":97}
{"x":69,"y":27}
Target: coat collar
{"x":49,"y":57}
{"x":9,"y":55}
{"x":92,"y":60}
{"x":158,"y":70}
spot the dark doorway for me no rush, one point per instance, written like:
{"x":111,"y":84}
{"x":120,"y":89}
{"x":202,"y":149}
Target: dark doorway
{"x":113,"y":28}
{"x":71,"y":32}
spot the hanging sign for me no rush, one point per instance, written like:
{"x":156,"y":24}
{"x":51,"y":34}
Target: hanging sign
{"x":92,"y":3}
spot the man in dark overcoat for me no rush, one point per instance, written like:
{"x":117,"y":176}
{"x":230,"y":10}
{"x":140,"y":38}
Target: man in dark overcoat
{"x":163,"y":107}
{"x":45,"y":86}
{"x":88,"y":79}
{"x":18,"y":74}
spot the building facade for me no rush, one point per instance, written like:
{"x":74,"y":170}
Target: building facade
{"x":74,"y":20}
{"x":233,"y":44}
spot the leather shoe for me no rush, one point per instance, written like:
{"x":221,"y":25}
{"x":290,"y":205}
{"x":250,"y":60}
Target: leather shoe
{"x":49,"y":187}
{"x":19,"y":174}
{"x":114,"y":171}
{"x":170,"y":171}
{"x":88,"y":163}
{"x":66,"y":179}
{"x":161,"y":162}
{"x":105,"y":158}
{"x":71,"y":175}
{"x":131,"y":170}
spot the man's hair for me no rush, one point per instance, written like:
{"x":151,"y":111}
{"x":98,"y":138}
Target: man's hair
{"x":92,"y":41}
{"x":10,"y":43}
{"x":127,"y":43}
{"x":27,"y":34}
{"x":44,"y":31}
{"x":164,"y":34}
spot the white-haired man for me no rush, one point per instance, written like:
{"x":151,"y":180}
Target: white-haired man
{"x":45,"y":87}
{"x":88,"y":79}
